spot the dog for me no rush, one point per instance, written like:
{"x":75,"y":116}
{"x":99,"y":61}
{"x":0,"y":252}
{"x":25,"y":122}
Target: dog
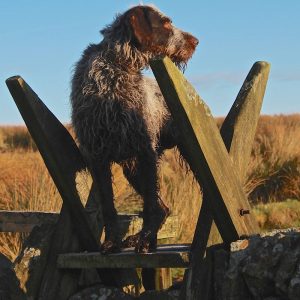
{"x":120,"y":116}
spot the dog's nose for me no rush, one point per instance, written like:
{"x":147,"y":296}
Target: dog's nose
{"x":192,"y":40}
{"x":195,"y":41}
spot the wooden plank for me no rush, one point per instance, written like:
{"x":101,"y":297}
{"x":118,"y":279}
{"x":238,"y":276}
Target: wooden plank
{"x":242,"y":118}
{"x":163,"y":278}
{"x":24,"y":221}
{"x":207,"y":154}
{"x":239,"y":127}
{"x":129,"y":224}
{"x":166,"y":256}
{"x":203,"y":277}
{"x":67,"y":168}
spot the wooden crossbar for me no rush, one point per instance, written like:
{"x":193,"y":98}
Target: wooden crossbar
{"x":166,"y":256}
{"x":129,"y":224}
{"x":24,"y":221}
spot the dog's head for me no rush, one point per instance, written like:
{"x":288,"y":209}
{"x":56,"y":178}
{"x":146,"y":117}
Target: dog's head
{"x":150,"y":31}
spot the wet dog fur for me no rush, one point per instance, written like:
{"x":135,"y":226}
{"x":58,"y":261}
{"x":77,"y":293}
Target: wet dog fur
{"x":120,"y":116}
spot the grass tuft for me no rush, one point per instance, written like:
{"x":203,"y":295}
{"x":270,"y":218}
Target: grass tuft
{"x":278,"y":215}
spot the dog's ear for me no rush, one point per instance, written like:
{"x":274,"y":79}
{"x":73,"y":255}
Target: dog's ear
{"x":141,"y":26}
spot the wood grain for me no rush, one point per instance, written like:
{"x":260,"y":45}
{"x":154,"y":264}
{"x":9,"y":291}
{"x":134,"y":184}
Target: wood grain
{"x":242,"y":118}
{"x":206,"y":152}
{"x":168,"y":256}
{"x":237,"y":132}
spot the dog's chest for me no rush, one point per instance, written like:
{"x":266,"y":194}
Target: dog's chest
{"x":154,"y":107}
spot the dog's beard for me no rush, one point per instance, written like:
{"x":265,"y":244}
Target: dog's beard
{"x":181,"y":66}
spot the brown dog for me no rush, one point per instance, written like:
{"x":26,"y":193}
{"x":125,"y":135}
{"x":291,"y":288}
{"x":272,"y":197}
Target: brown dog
{"x":120,"y":116}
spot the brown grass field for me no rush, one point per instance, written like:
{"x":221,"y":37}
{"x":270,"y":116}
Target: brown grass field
{"x":272,"y":183}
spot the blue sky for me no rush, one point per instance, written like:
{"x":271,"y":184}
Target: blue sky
{"x":41,"y":41}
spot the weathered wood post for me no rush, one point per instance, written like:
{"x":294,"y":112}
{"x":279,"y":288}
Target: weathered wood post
{"x":78,"y":228}
{"x":190,"y":113}
{"x":238,"y":131}
{"x":206,"y":152}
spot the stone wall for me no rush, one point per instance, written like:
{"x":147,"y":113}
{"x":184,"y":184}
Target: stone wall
{"x":265,"y":267}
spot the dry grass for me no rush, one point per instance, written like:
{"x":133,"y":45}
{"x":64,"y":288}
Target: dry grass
{"x":14,"y":138}
{"x":274,"y":170}
{"x":274,"y":174}
{"x":182,"y":194}
{"x":284,"y":214}
{"x":24,"y":185}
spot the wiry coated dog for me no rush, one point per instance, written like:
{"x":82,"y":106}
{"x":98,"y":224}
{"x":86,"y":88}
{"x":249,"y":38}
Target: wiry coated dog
{"x":120,"y":116}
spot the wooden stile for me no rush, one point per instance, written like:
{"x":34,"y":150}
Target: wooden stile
{"x":207,"y":154}
{"x":218,"y":160}
{"x":237,"y":133}
{"x":77,"y":228}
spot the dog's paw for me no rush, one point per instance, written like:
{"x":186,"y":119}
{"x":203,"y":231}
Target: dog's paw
{"x":110,"y":246}
{"x":147,"y":242}
{"x":131,"y":241}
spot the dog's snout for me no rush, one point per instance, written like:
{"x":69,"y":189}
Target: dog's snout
{"x":194,"y":41}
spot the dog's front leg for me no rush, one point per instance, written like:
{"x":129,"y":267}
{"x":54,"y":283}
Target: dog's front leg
{"x":103,"y":177}
{"x":143,"y":177}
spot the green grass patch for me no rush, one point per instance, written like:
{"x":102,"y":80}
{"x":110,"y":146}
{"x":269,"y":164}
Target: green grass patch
{"x":278,"y":215}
